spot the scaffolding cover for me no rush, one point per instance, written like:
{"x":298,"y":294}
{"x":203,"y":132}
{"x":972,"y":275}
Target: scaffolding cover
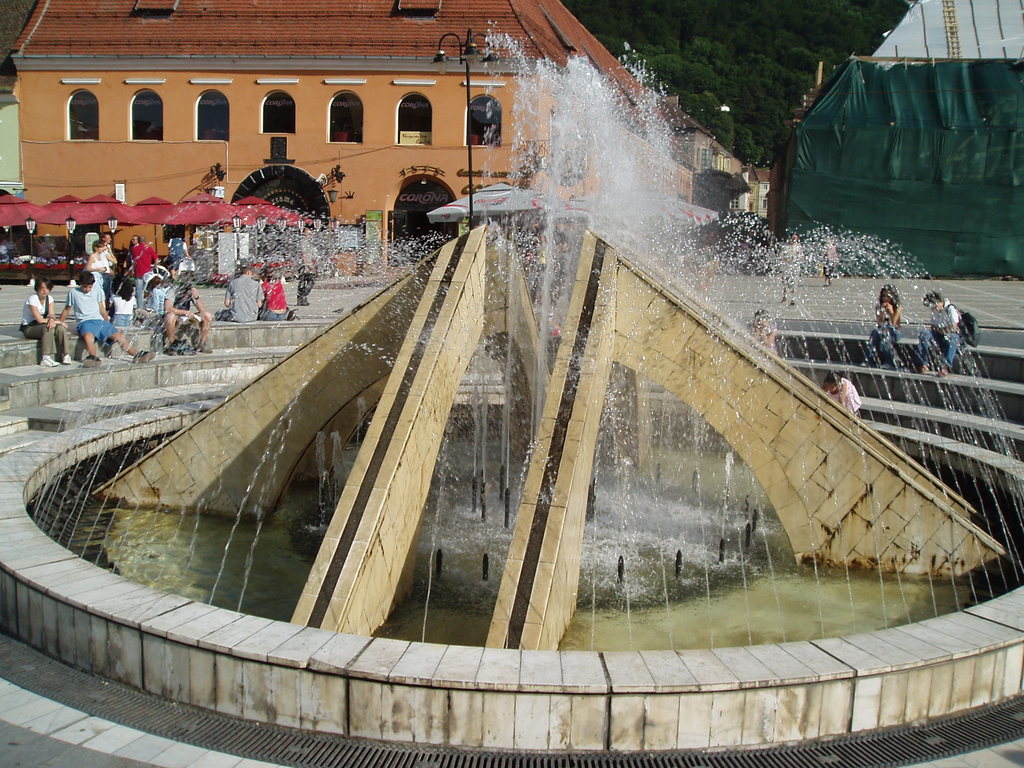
{"x":927,"y":155}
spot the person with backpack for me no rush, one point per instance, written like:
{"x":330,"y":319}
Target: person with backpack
{"x":942,"y":335}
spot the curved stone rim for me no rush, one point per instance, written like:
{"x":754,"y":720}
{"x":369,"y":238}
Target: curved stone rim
{"x":462,"y":696}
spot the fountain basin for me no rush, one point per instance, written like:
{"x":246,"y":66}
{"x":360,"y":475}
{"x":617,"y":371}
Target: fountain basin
{"x":461,"y":696}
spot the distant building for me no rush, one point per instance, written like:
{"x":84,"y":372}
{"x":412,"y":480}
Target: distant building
{"x":755,"y":199}
{"x":921,"y":143}
{"x":711,"y":176}
{"x":12,"y":19}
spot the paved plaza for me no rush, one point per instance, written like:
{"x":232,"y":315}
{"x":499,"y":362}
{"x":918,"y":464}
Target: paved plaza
{"x":37,"y":731}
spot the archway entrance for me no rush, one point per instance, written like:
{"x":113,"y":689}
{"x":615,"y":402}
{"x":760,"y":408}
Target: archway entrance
{"x":288,"y":187}
{"x":409,"y":219}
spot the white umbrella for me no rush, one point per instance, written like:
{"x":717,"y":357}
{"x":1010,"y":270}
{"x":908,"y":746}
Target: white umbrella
{"x":494,"y":200}
{"x":672,"y":207}
{"x":682,"y":210}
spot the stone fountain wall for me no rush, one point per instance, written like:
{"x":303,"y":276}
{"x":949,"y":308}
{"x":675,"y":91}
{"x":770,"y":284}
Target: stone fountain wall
{"x":398,"y":691}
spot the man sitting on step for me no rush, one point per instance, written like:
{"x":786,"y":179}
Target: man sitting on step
{"x":93,"y":324}
{"x":183,"y":316}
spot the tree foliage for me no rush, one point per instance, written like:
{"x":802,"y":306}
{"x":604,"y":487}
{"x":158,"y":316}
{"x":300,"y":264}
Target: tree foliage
{"x":758,"y":57}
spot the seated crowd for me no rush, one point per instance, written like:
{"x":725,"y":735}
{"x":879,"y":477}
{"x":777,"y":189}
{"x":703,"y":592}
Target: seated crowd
{"x":170,"y":304}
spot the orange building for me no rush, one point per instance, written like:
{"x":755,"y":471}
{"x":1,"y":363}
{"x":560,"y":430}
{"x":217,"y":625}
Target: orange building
{"x":332,"y":108}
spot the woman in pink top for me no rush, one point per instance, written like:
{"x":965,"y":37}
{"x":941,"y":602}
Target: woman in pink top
{"x":842,"y":391}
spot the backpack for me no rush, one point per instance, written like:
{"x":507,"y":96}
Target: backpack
{"x":968,"y":328}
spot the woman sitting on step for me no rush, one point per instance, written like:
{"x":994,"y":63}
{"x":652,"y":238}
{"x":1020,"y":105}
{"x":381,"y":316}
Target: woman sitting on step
{"x":39,"y":321}
{"x":887,"y":331}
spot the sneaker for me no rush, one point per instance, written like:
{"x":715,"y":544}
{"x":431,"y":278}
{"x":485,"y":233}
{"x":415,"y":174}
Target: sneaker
{"x":66,"y":360}
{"x":205,"y":348}
{"x":48,"y":362}
{"x":91,"y":362}
{"x":143,"y":357}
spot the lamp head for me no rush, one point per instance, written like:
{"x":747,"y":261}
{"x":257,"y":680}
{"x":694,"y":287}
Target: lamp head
{"x":261,"y":223}
{"x":30,"y":225}
{"x":236,"y":222}
{"x":441,"y":62}
{"x":112,"y":224}
{"x":70,"y":223}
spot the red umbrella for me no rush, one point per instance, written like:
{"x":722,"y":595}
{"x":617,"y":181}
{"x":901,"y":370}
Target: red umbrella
{"x":249,"y":209}
{"x":203,"y":208}
{"x":14,"y":210}
{"x":94,"y":210}
{"x":152,"y":210}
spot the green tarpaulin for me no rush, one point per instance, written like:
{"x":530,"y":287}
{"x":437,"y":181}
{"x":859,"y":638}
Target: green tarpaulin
{"x":927,"y":155}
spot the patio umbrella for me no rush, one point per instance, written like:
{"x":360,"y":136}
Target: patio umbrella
{"x":14,"y":210}
{"x":93,"y":210}
{"x":670,"y":207}
{"x":152,"y":210}
{"x":680,"y":209}
{"x":494,"y":200}
{"x":200,"y":209}
{"x":251,"y":208}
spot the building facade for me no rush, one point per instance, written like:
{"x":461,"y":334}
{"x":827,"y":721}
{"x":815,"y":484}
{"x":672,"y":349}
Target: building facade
{"x":328,"y":108}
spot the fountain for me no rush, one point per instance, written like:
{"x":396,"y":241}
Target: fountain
{"x":538,"y":414}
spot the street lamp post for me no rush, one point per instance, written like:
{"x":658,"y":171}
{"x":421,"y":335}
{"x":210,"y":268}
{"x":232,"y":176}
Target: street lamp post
{"x":469,"y":53}
{"x":70,"y":224}
{"x":30,"y":227}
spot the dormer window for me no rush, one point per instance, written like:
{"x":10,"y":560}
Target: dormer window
{"x":419,"y":7}
{"x":155,"y":7}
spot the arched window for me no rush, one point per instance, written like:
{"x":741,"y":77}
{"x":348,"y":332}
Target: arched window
{"x":415,"y":120}
{"x":83,"y":116}
{"x":484,"y":125}
{"x":147,"y":117}
{"x":213,"y":117}
{"x":346,"y":118}
{"x":279,"y":113}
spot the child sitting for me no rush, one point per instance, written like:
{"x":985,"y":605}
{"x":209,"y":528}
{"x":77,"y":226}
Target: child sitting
{"x":124,"y":305}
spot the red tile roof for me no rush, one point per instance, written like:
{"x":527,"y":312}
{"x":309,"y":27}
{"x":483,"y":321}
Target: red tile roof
{"x":302,"y":28}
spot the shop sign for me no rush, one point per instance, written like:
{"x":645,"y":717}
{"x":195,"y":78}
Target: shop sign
{"x":430,"y":197}
{"x":414,"y":137}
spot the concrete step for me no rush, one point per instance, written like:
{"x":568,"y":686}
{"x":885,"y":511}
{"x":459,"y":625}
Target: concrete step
{"x":12,"y":423}
{"x":60,"y":416}
{"x":1006,"y":438}
{"x":991,"y":362}
{"x":956,"y":392}
{"x":15,"y":440}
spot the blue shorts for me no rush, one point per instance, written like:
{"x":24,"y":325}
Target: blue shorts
{"x":100,"y":329}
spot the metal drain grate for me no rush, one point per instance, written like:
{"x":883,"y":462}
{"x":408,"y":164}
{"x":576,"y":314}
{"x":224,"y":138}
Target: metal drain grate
{"x":36,"y":672}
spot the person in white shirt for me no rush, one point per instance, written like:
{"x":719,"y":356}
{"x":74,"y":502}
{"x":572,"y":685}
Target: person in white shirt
{"x":39,"y":321}
{"x":942,"y":333}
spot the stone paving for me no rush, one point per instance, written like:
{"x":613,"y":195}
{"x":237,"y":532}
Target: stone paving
{"x":37,"y":731}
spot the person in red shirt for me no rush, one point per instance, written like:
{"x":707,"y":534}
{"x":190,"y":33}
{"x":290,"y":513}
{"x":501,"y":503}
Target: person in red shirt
{"x":143,"y":260}
{"x":275,"y":303}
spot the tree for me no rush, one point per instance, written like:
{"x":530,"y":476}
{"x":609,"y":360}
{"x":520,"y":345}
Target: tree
{"x":757,"y":56}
